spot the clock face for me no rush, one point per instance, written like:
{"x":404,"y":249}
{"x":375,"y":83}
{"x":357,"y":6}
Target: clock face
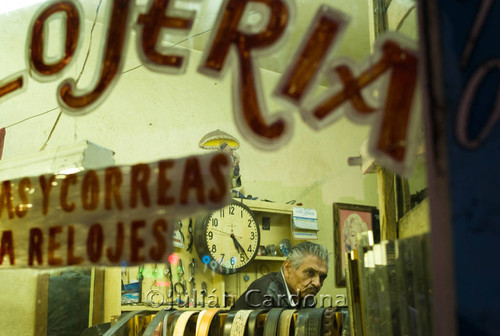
{"x":228,"y":238}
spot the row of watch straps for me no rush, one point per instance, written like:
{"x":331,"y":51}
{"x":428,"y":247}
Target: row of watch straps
{"x":278,"y":322}
{"x":245,"y":322}
{"x":175,"y":323}
{"x":313,"y":321}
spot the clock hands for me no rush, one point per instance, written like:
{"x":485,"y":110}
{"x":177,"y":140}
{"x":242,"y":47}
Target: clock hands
{"x":226,"y":233}
{"x":238,"y":245}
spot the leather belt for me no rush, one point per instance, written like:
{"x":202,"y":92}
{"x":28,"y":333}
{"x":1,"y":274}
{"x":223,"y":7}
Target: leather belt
{"x":173,"y":323}
{"x":240,"y":322}
{"x":139,"y":323}
{"x":200,"y":316}
{"x":309,"y":321}
{"x":285,"y":322}
{"x":122,"y":321}
{"x":182,"y":322}
{"x":203,"y":327}
{"x":228,"y":323}
{"x":255,"y":328}
{"x":338,"y":323}
{"x":271,"y":327}
{"x":166,"y":319}
{"x":154,"y":323}
{"x":300,"y":326}
{"x":329,"y":323}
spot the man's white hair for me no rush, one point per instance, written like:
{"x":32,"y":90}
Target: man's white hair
{"x":300,"y":251}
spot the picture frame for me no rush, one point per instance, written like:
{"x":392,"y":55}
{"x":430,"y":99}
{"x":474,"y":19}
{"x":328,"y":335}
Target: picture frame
{"x":360,"y":218}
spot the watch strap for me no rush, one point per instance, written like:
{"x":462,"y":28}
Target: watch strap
{"x":285,"y":322}
{"x":272,"y":322}
{"x":255,"y":328}
{"x":182,"y":322}
{"x":155,"y":322}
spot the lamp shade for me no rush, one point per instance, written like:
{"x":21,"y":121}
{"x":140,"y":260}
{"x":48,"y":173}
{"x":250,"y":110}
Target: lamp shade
{"x":214,"y":139}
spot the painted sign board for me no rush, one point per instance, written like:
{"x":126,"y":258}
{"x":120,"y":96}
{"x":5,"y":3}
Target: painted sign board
{"x":107,"y":216}
{"x":462,"y":58}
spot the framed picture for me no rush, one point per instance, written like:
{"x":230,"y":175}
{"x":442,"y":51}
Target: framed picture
{"x":348,"y":221}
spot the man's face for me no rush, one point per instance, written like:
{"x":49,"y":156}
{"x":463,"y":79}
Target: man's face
{"x":307,"y":278}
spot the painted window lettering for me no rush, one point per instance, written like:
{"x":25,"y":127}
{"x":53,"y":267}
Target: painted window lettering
{"x":352,"y":92}
{"x":52,"y":220}
{"x":471,"y":88}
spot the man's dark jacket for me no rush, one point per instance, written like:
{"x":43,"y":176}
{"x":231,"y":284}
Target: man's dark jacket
{"x":268,"y":291}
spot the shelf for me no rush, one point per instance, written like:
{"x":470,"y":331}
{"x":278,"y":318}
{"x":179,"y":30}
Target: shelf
{"x":271,"y":258}
{"x":167,"y":307}
{"x":140,"y":307}
{"x":263,"y":206}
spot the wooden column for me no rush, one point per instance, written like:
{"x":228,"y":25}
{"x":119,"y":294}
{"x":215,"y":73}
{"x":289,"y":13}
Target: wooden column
{"x":394,"y":202}
{"x":42,"y":304}
{"x":112,"y":293}
{"x":96,"y":311}
{"x":387,"y":204}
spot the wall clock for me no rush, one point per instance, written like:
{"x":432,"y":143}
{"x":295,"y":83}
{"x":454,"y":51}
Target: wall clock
{"x":227,"y":239}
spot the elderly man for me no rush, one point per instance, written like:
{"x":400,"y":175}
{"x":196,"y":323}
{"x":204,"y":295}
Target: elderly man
{"x":300,"y":279}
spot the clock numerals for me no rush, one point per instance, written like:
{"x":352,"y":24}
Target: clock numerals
{"x":231,"y":238}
